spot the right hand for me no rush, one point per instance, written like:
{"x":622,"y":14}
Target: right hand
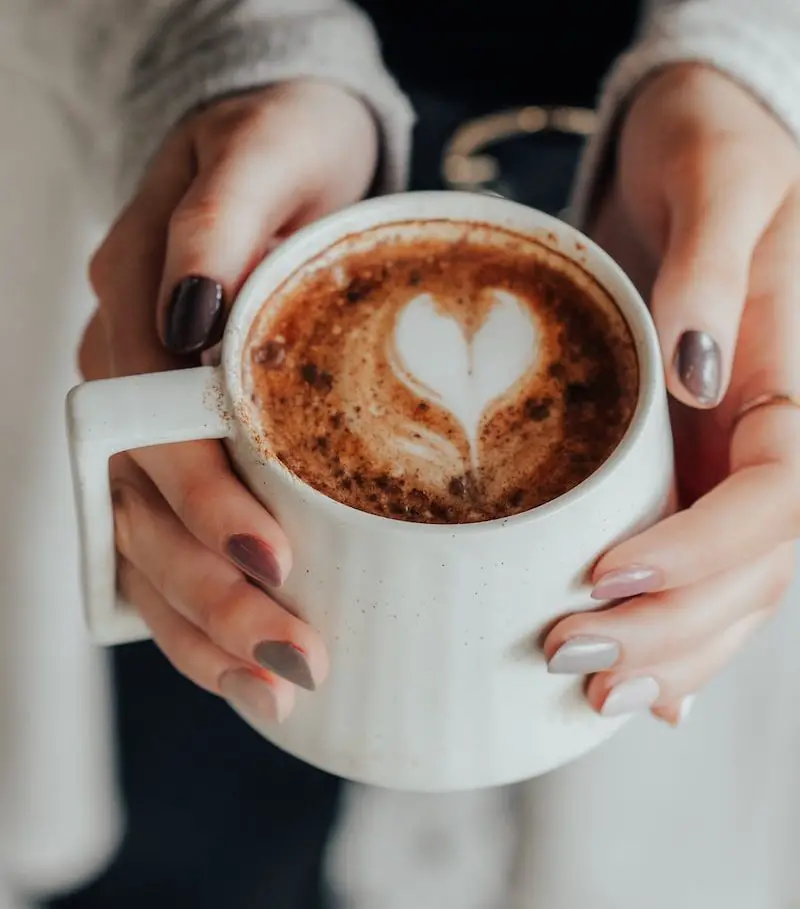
{"x":195,"y":548}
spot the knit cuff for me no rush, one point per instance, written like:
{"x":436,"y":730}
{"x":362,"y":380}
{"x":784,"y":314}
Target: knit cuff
{"x":763,"y":56}
{"x":334,"y":47}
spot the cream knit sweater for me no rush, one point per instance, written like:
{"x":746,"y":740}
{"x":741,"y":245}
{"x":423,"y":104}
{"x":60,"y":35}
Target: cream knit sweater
{"x":129,"y":69}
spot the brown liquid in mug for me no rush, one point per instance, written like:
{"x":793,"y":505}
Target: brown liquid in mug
{"x":348,"y":378}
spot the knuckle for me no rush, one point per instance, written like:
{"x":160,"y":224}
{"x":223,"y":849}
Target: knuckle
{"x":200,"y":501}
{"x":228,"y":122}
{"x":194,"y":500}
{"x":221,"y":617}
{"x":723,"y":273}
{"x":195,"y":217}
{"x":684,"y":163}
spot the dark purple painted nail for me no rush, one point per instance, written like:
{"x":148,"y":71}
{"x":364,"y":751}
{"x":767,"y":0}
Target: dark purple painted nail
{"x":286,"y":660}
{"x":194,"y":317}
{"x":255,"y":558}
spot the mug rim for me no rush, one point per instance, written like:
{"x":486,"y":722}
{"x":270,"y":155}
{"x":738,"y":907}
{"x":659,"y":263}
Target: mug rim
{"x":309,"y":242}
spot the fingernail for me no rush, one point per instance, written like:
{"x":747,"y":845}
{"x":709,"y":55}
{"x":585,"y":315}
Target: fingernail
{"x":698,"y":362}
{"x":255,"y":558}
{"x":583,"y":654}
{"x":621,"y":583}
{"x":675,"y":716}
{"x":686,"y":707}
{"x":286,"y":660}
{"x":194,"y":315}
{"x":251,"y":696}
{"x":630,"y":696}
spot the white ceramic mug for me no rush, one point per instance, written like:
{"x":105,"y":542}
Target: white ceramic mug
{"x":437,"y":679}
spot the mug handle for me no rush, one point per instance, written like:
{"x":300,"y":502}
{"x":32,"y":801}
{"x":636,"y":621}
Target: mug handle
{"x":114,"y":415}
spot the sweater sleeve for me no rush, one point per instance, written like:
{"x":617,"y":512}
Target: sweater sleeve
{"x":755,"y":43}
{"x":131,"y":69}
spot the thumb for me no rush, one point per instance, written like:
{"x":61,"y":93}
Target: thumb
{"x":223,"y":226}
{"x":717,"y":213}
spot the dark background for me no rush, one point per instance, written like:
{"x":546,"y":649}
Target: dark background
{"x":503,"y":52}
{"x":460,"y":59}
{"x":218,"y":818}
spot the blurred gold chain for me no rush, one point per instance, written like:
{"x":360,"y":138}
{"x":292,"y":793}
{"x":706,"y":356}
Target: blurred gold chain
{"x":465,"y":166}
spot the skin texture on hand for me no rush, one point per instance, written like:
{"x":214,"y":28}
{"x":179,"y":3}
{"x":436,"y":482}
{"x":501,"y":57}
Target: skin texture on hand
{"x":198,"y":554}
{"x":703,"y":212}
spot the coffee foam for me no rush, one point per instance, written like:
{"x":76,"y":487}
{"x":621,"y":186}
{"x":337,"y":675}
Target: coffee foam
{"x":441,"y":371}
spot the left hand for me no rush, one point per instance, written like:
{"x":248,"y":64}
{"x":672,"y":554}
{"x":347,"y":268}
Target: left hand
{"x":703,"y":211}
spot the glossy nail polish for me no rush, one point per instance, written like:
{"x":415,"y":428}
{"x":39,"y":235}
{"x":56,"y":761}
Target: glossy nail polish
{"x":698,"y":362}
{"x":255,"y":558}
{"x":286,"y":660}
{"x":584,"y":654}
{"x":250,"y":696}
{"x":622,"y":583}
{"x":194,"y":315}
{"x":631,"y":695}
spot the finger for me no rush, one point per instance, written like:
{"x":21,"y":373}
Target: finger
{"x":757,"y":506}
{"x":220,"y":230}
{"x":263,"y":694}
{"x":719,"y":204}
{"x":676,"y":713}
{"x":194,"y":477}
{"x":93,"y":354}
{"x":126,"y":270}
{"x":751,"y":512}
{"x":196,"y":480}
{"x":613,"y":694}
{"x":665,"y":627}
{"x":766,"y":356}
{"x":210,"y":592}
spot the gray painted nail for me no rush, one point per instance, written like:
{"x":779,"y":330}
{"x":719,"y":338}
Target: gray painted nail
{"x":631,"y":695}
{"x":287,"y":661}
{"x":698,"y":362}
{"x":622,"y":583}
{"x":583,"y":654}
{"x":250,"y":696}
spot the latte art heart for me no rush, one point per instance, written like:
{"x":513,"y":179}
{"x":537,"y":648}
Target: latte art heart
{"x":462,"y":367}
{"x":468,"y":375}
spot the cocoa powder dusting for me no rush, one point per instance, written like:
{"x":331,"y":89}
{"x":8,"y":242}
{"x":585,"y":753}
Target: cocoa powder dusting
{"x":344,"y":423}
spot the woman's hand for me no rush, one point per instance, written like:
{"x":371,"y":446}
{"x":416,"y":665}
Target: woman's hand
{"x":704,"y":213}
{"x":197,"y":552}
